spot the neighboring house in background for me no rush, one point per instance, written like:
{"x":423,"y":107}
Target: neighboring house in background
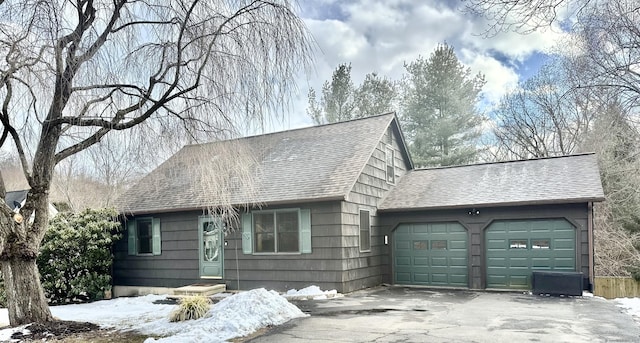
{"x":341,"y":206}
{"x":16,"y":199}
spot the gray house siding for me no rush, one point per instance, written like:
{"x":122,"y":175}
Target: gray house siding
{"x":323,"y":267}
{"x":176,"y":266}
{"x":576,"y":214}
{"x":366,"y":268}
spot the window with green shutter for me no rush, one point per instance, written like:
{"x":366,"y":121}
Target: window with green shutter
{"x":144,"y":236}
{"x":282,"y":231}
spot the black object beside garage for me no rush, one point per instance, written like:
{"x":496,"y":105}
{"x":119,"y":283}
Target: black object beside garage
{"x":557,"y":283}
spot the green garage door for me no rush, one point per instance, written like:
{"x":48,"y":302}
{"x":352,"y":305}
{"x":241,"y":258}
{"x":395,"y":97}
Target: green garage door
{"x":431,"y":254}
{"x":518,"y":247}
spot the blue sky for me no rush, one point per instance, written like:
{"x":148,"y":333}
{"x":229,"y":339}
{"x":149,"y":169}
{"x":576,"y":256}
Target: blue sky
{"x":381,"y":35}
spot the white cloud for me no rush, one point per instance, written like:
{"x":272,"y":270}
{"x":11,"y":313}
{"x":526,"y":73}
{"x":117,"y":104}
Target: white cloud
{"x":500,"y":78}
{"x":381,"y":35}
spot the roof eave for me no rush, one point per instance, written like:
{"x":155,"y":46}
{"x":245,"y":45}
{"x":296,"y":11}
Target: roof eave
{"x":497,"y":204}
{"x":252,"y":205}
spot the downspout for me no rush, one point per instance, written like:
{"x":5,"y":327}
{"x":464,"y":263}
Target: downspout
{"x":591,"y":246}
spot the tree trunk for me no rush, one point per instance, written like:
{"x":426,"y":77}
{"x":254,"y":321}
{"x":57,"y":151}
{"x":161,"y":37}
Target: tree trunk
{"x":25,"y":298}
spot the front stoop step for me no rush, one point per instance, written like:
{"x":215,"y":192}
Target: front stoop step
{"x":198,"y":289}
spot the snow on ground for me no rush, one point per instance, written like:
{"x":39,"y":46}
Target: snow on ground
{"x":234,"y":316}
{"x":311,"y":292}
{"x":630,"y":306}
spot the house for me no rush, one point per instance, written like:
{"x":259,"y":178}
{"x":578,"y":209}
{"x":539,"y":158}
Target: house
{"x":341,"y":206}
{"x":16,"y":199}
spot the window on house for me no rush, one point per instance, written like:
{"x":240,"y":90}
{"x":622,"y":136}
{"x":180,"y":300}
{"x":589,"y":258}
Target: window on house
{"x":144,"y":236}
{"x":365,"y":231}
{"x":390,"y":162}
{"x":276,"y":231}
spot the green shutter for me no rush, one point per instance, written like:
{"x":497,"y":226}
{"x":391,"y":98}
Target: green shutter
{"x":247,"y":244}
{"x":305,"y":231}
{"x":131,"y":232}
{"x":157,"y":238}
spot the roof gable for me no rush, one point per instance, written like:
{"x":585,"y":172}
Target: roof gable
{"x":15,"y":199}
{"x":315,"y":163}
{"x":550,"y":180}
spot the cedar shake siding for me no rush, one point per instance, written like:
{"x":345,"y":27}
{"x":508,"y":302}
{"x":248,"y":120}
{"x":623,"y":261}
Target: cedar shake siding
{"x":322,"y":267}
{"x":175,"y":266}
{"x":366,"y":268}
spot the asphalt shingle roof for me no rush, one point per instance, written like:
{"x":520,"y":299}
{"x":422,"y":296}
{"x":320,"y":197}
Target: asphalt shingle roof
{"x":315,"y":163}
{"x":565,"y":179}
{"x":15,"y":196}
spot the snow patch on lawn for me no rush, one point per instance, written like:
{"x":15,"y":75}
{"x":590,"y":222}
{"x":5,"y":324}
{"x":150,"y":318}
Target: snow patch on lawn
{"x":234,"y":316}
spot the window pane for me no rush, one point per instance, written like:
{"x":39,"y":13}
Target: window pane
{"x":540,"y":244}
{"x":264,"y":232}
{"x":211,"y":240}
{"x":420,"y":245}
{"x":438,"y":245}
{"x":390,"y":161}
{"x":144,"y":235}
{"x":365,"y":231}
{"x":287,"y":224}
{"x":518,"y":244}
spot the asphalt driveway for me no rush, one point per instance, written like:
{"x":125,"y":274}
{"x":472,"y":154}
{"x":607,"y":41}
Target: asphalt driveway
{"x":399,"y":314}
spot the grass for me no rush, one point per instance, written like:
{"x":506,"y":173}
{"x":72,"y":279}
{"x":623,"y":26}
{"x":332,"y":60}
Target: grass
{"x":192,"y":307}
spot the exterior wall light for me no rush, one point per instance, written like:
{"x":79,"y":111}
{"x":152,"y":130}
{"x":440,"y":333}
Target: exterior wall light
{"x":474,"y":212}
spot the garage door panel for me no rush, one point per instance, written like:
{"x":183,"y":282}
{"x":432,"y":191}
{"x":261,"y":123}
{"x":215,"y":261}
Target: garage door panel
{"x":518,"y":262}
{"x":516,"y":248}
{"x":458,"y":262}
{"x":403,"y":277}
{"x":420,"y":261}
{"x":420,"y":278}
{"x":403,"y":261}
{"x":438,"y":254}
{"x":497,"y":262}
{"x":458,"y":244}
{"x":537,"y":262}
{"x":402,"y":245}
{"x":564,"y":244}
{"x":439,"y":262}
{"x":518,"y":281}
{"x":418,"y":229}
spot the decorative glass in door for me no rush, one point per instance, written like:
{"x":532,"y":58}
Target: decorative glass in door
{"x":211,"y":233}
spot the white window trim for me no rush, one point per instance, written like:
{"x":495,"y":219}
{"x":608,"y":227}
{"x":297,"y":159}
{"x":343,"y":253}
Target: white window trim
{"x":389,"y":150}
{"x":360,"y":229}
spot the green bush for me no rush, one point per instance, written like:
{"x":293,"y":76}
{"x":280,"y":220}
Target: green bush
{"x":75,"y":257}
{"x":192,"y":307}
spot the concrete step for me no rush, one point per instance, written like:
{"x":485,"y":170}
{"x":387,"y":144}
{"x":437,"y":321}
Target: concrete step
{"x":199,"y":289}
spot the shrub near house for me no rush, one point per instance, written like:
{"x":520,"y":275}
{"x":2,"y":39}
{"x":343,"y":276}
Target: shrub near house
{"x":75,"y":258}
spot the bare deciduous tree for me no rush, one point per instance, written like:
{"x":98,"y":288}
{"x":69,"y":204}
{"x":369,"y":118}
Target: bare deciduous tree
{"x":523,"y":16}
{"x":71,"y":72}
{"x":609,"y":48}
{"x":546,"y":116}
